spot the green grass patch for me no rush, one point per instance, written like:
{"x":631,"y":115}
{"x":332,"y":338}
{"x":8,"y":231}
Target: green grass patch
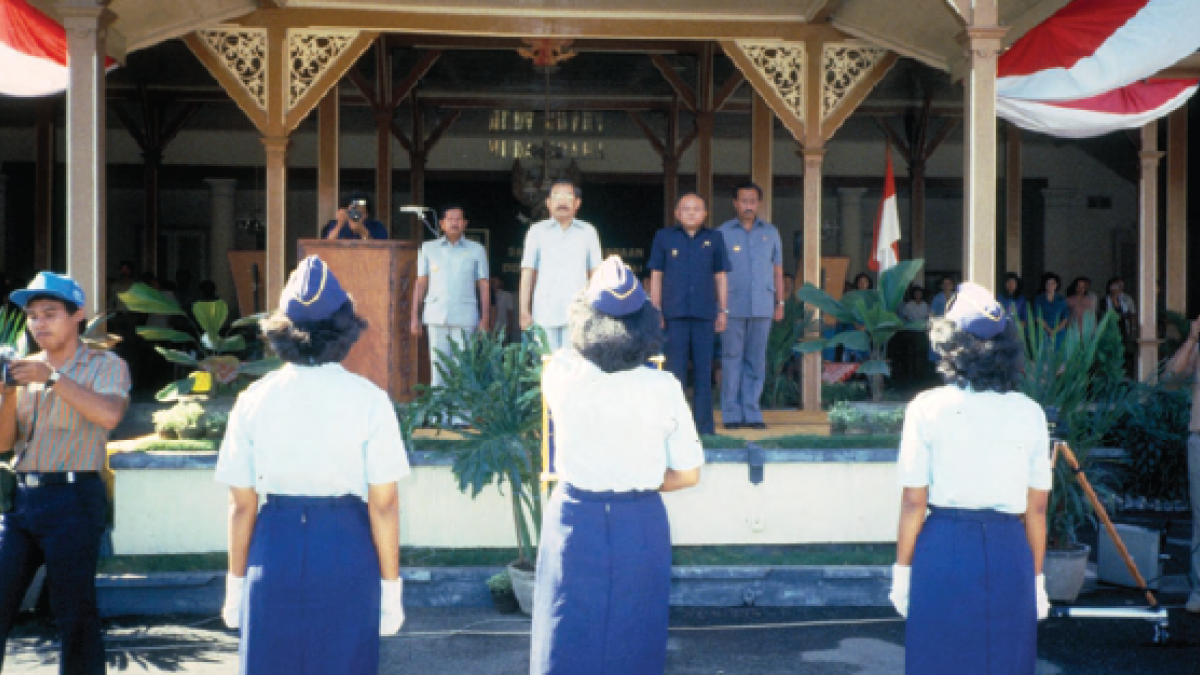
{"x":804,"y":554}
{"x":153,"y":444}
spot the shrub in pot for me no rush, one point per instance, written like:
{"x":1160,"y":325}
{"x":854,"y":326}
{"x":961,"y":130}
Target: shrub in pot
{"x":185,"y":419}
{"x":503,"y":598}
{"x":497,"y":387}
{"x":1061,"y":375}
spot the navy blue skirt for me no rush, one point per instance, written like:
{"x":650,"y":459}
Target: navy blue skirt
{"x":603,"y":584}
{"x":312,"y":589}
{"x":972,"y":606}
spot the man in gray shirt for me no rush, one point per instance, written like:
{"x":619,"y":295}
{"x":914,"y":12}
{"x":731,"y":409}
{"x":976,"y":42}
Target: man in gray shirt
{"x":450,"y":269}
{"x":560,"y":254}
{"x":755,"y":291}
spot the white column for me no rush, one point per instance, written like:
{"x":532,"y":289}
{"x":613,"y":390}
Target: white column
{"x":84,"y":22}
{"x":220,"y":236}
{"x":983,"y":41}
{"x":850,"y":210}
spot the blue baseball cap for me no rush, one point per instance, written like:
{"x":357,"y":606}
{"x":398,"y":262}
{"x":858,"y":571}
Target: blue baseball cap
{"x":48,"y":283}
{"x":974,"y":309}
{"x":312,"y":292}
{"x":614,"y":289}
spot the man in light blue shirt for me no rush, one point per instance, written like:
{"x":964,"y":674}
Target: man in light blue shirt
{"x":756,"y":295}
{"x":450,"y":269}
{"x":560,"y":254}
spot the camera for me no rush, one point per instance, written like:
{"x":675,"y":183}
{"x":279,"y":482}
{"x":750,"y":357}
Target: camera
{"x":356,"y":209}
{"x":8,"y":354}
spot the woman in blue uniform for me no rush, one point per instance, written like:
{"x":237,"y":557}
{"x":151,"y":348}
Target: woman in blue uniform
{"x":314,"y":576}
{"x":975,"y":455}
{"x":623,"y":434}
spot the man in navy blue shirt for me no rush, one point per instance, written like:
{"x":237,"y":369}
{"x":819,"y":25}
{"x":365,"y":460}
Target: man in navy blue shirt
{"x":354,"y":222}
{"x":688,"y":263}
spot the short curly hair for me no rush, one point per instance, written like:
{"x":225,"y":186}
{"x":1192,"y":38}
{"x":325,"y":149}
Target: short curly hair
{"x":314,"y":343}
{"x":615,"y":343}
{"x":984,"y":365}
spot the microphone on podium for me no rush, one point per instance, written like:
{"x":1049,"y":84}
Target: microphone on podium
{"x":420,"y":211}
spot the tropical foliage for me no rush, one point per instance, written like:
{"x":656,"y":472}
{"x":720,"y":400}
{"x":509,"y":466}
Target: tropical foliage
{"x":875,"y":315}
{"x":495,"y":388}
{"x":1060,"y":374}
{"x":780,"y":389}
{"x":214,"y":353}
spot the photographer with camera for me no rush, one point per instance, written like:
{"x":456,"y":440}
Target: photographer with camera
{"x":354,"y":221}
{"x":57,"y":409}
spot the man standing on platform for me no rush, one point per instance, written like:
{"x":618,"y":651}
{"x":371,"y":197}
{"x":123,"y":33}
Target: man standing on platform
{"x":560,"y":254}
{"x":57,"y":409}
{"x":688,"y":263}
{"x":354,"y":221}
{"x":450,"y":269}
{"x":1186,"y":365}
{"x":755,"y":296}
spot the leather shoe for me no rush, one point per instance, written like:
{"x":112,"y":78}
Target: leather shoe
{"x":732,"y":425}
{"x":755,"y":425}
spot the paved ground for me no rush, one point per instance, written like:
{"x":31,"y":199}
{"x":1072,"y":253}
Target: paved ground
{"x":709,"y":641}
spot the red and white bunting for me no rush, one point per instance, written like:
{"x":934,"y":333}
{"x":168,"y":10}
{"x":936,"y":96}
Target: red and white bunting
{"x":33,"y":51}
{"x":1126,"y":108}
{"x":1090,"y":47}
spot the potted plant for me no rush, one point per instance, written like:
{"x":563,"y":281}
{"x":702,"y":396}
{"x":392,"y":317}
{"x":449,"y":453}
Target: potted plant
{"x":1154,"y":435}
{"x":856,"y":421}
{"x":1060,"y":375}
{"x":185,"y":419}
{"x":215,"y":423}
{"x":497,"y":387}
{"x":875,"y":313}
{"x":503,"y":598}
{"x":213,"y":353}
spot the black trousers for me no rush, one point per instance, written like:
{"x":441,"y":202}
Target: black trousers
{"x":61,"y":526}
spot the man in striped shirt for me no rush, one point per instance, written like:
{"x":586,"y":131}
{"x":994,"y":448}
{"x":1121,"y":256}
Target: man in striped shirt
{"x":57,"y":413}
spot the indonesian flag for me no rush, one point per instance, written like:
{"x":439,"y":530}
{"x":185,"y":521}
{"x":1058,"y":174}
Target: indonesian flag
{"x":1082,"y":72}
{"x":885,"y":251}
{"x":33,"y":51}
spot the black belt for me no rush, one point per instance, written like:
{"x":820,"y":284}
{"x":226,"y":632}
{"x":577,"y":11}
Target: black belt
{"x":34,"y":479}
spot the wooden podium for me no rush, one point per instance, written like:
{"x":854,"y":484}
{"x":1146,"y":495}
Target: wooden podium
{"x":379,"y":275}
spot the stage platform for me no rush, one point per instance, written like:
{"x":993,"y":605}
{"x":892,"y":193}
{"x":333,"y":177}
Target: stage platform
{"x":779,"y":423}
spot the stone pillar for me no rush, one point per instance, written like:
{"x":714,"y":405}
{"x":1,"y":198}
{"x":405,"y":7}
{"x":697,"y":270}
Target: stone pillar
{"x":84,"y":22}
{"x":810,"y":388}
{"x":850,"y":210}
{"x":983,"y":41}
{"x":220,"y":236}
{"x":276,"y":273}
{"x":1148,"y":253}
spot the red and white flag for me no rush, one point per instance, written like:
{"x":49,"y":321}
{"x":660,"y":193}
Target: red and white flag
{"x":885,"y":250}
{"x":33,"y":51}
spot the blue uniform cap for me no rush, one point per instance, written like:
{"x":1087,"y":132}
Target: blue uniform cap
{"x":614,"y":289}
{"x":48,"y":283}
{"x":974,"y":309}
{"x":312,"y":292}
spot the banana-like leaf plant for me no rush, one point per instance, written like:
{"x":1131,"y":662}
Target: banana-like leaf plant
{"x":875,"y":315}
{"x":214,"y":354}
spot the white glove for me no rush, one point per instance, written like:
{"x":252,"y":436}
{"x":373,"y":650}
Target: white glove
{"x":901,"y":578}
{"x":234,"y":590}
{"x":1043,"y":600}
{"x":391,"y":607}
